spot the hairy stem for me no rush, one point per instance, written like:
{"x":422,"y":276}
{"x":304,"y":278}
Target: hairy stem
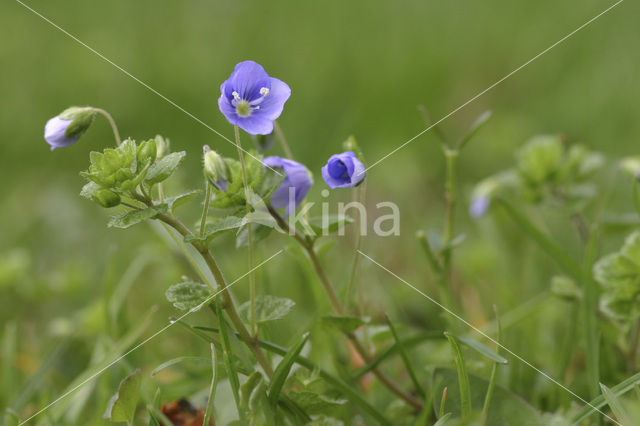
{"x":112,"y":122}
{"x":228,"y":304}
{"x":252,"y":280}
{"x":205,"y":208}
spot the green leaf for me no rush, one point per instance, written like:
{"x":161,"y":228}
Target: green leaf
{"x":217,"y":227}
{"x":268,"y":308}
{"x":258,"y":233}
{"x":616,"y":405}
{"x":475,"y":127}
{"x":540,"y":159}
{"x":178,"y":200}
{"x":187,"y":295}
{"x":122,"y":405}
{"x":344,"y":324}
{"x":164,"y":168}
{"x":463,"y":377}
{"x":283,"y":368}
{"x":619,"y":275}
{"x":506,"y":408}
{"x":133,"y":217}
{"x":481,"y":349}
{"x":329,"y":224}
{"x":178,"y":360}
{"x":254,"y":402}
{"x":316,"y":403}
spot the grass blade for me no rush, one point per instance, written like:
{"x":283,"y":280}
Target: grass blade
{"x":212,"y":390}
{"x":482,"y":349}
{"x":615,"y":405}
{"x":283,"y":368}
{"x":599,"y":402}
{"x":442,"y":420}
{"x":226,"y":356}
{"x":349,"y":392}
{"x":494,"y":371}
{"x":463,"y":377}
{"x":177,"y":361}
{"x":405,"y":358}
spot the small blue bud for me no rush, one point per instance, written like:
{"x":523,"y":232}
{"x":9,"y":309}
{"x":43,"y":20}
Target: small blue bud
{"x":65,"y":129}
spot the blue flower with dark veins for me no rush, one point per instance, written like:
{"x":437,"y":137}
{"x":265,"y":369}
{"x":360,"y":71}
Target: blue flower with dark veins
{"x":251,"y":99}
{"x":294,"y":187}
{"x":343,"y":170}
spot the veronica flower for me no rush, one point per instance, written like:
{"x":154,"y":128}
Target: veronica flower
{"x":251,"y":100}
{"x":294,"y":187}
{"x":479,"y":206}
{"x":343,"y":170}
{"x":65,"y":129}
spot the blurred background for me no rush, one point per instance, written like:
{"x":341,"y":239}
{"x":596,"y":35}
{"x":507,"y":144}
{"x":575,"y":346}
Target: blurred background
{"x":70,"y":288}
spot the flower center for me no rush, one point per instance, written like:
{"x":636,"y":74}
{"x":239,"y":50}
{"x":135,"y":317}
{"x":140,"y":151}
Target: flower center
{"x":243,"y":107}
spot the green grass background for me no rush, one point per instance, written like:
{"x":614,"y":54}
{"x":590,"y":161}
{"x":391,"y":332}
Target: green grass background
{"x":357,"y":67}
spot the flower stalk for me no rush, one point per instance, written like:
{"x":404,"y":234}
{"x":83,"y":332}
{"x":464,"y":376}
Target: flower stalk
{"x":112,"y":123}
{"x":252,"y":282}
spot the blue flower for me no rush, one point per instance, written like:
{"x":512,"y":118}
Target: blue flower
{"x":343,"y":170}
{"x":65,"y":129}
{"x":251,"y":100}
{"x":479,"y":206}
{"x":54,"y":133}
{"x":294,"y":187}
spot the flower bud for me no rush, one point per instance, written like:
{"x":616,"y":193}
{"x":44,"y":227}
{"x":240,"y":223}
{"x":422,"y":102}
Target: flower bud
{"x":65,"y":129}
{"x":215,"y":168}
{"x":162,"y":147}
{"x":106,"y":198}
{"x":147,"y":152}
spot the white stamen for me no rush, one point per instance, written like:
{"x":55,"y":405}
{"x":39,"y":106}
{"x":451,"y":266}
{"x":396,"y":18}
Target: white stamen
{"x":264,"y":91}
{"x":236,"y":96}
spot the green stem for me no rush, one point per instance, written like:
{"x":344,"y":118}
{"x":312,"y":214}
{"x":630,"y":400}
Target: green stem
{"x":282,"y":140}
{"x":252,"y":282}
{"x":339,"y":310}
{"x":359,"y":197}
{"x":228,"y":304}
{"x":449,"y":224}
{"x":208,"y":415}
{"x":112,"y":122}
{"x":205,"y":208}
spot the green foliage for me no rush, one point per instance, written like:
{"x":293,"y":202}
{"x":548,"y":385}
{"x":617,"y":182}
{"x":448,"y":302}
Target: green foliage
{"x":164,"y":168}
{"x":343,"y":323}
{"x":122,"y":405}
{"x":329,"y":224}
{"x":187,"y":295}
{"x":284,"y":367}
{"x":267,"y":308}
{"x":619,"y":275}
{"x":506,"y":408}
{"x":134,"y":217}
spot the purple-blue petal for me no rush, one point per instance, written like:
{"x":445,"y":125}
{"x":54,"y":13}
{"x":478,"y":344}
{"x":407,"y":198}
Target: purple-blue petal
{"x":54,"y":133}
{"x":343,"y":170}
{"x":247,"y":80}
{"x":273,"y":103}
{"x":479,"y":206}
{"x":297,"y":177}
